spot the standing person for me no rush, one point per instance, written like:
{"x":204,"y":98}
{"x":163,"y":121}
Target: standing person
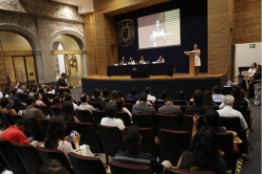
{"x":197,"y":58}
{"x":61,"y":85}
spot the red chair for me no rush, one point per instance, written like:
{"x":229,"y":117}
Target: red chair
{"x":121,"y":168}
{"x":172,"y":144}
{"x":180,"y":171}
{"x":188,"y":122}
{"x":86,"y":165}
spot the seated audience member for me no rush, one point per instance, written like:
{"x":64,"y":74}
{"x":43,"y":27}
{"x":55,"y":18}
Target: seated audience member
{"x":236,"y":92}
{"x":197,"y":107}
{"x":217,"y":96}
{"x":56,"y":102}
{"x":110,"y":120}
{"x":160,"y":59}
{"x":212,"y":120}
{"x":256,"y":85}
{"x":142,"y":60}
{"x":141,"y":107}
{"x":68,"y":113}
{"x":97,"y":96}
{"x":243,"y":95}
{"x":163,"y":96}
{"x":15,"y":134}
{"x":204,"y":153}
{"x":113,"y":96}
{"x":57,"y":140}
{"x":31,"y":111}
{"x":106,"y":96}
{"x":13,"y":95}
{"x":180,"y":98}
{"x":241,"y":82}
{"x":133,"y":156}
{"x":122,"y":61}
{"x":69,"y":98}
{"x":251,"y":71}
{"x":132,"y":96}
{"x":121,"y":108}
{"x":38,"y":98}
{"x":207,"y":99}
{"x":228,"y":111}
{"x":250,"y":75}
{"x":170,"y":108}
{"x":84,"y":98}
{"x":52,"y":166}
{"x":6,"y":106}
{"x":131,"y":61}
{"x":150,"y":97}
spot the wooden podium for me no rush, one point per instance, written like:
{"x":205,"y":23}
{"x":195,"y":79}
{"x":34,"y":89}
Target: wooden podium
{"x":191,"y":55}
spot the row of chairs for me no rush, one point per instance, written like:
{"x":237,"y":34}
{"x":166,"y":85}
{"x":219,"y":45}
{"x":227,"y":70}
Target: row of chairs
{"x":25,"y":159}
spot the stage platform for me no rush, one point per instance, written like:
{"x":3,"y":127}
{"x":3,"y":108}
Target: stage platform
{"x":172,"y":84}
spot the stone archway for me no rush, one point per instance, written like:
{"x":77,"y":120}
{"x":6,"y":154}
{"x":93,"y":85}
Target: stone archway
{"x":32,"y":40}
{"x":79,"y":40}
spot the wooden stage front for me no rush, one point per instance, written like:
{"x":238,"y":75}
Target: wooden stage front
{"x":157,"y":83}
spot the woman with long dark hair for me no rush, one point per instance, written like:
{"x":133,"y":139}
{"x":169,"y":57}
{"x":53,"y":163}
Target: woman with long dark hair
{"x":56,"y":137}
{"x":68,"y":112}
{"x":204,"y":153}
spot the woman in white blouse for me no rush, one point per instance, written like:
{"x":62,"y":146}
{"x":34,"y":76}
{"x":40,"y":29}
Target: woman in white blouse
{"x":197,"y":58}
{"x":56,"y":137}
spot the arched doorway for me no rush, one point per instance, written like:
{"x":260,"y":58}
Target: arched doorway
{"x":68,"y":57}
{"x":17,"y":61}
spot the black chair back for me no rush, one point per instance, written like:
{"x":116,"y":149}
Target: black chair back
{"x":143,"y":120}
{"x":226,"y":140}
{"x":55,"y":110}
{"x":98,"y":115}
{"x":45,"y":110}
{"x":187,"y":122}
{"x":172,"y":144}
{"x":148,"y":141}
{"x":121,"y":168}
{"x":86,"y":165}
{"x":124,"y":117}
{"x":89,"y":136}
{"x":42,"y":124}
{"x":10,"y":158}
{"x":34,"y":129}
{"x":47,"y":154}
{"x":28,"y":157}
{"x":231,"y":123}
{"x":111,"y":139}
{"x":84,"y":116}
{"x":171,"y":122}
{"x":4,"y":122}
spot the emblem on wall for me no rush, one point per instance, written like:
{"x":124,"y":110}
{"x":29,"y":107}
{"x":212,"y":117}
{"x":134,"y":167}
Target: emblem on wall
{"x":126,"y":32}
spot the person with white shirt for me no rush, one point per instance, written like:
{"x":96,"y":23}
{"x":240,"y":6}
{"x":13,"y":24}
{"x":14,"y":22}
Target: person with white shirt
{"x":110,"y":120}
{"x":251,"y":71}
{"x":150,"y":97}
{"x":228,"y":111}
{"x":84,"y":98}
{"x":216,"y":95}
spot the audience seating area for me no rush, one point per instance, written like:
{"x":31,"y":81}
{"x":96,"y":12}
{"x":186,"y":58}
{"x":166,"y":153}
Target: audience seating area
{"x":174,"y":134}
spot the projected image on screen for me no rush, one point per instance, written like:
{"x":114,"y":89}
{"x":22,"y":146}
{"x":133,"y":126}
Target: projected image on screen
{"x":159,"y":30}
